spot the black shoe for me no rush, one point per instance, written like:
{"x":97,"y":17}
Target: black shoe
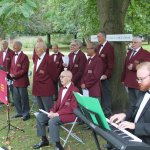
{"x":25,"y":118}
{"x":58,"y":148}
{"x":17,"y":116}
{"x":41,"y":144}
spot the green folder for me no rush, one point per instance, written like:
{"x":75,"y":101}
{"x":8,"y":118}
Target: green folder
{"x":93,"y":105}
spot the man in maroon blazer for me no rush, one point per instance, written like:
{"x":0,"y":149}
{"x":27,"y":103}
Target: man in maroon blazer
{"x":77,"y":61}
{"x":106,"y":52}
{"x":6,"y":55}
{"x":133,"y":58}
{"x":62,"y":112}
{"x":57,"y":59}
{"x":19,"y":74}
{"x":92,"y":73}
{"x":34,"y":57}
{"x":44,"y":77}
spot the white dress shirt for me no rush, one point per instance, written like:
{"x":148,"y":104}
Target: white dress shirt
{"x":65,"y":91}
{"x":102,"y":47}
{"x":4,"y":54}
{"x":55,"y":56}
{"x":142,"y":105}
{"x":40,"y":60}
{"x":75,"y":54}
{"x":16,"y":56}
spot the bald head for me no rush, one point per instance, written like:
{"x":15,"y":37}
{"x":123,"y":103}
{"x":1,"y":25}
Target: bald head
{"x":39,"y":39}
{"x":4,"y":45}
{"x":17,"y":45}
{"x":40,"y":48}
{"x":143,"y":76}
{"x":65,"y":77}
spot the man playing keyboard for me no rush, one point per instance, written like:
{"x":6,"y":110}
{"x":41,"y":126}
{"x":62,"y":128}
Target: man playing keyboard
{"x":137,"y":118}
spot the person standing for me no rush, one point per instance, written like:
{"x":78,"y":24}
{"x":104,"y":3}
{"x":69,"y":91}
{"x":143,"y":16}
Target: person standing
{"x":44,"y":78}
{"x":19,"y":74}
{"x":133,"y":58}
{"x":77,"y":61}
{"x":106,"y":52}
{"x":62,"y":112}
{"x":57,"y":59}
{"x":6,"y":55}
{"x":93,"y":71}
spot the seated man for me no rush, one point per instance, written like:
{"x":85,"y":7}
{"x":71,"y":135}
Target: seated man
{"x":62,"y":112}
{"x":137,"y":118}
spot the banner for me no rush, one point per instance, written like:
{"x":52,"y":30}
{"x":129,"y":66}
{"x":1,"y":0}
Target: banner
{"x":3,"y":87}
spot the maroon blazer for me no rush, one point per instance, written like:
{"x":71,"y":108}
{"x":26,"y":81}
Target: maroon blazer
{"x":91,"y":76}
{"x":129,"y":76}
{"x":58,"y":62}
{"x":77,"y":68}
{"x":107,"y":56}
{"x":34,"y":57}
{"x":66,"y":107}
{"x":44,"y":77}
{"x":20,"y":70}
{"x":7,"y":61}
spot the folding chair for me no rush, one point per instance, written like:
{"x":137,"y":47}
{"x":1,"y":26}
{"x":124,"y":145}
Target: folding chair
{"x":70,"y":133}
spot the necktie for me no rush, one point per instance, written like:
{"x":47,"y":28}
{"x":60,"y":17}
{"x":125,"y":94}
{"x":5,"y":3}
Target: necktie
{"x":89,"y":60}
{"x":133,"y":53}
{"x":16,"y":54}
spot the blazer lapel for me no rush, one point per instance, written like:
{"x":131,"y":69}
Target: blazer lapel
{"x":66,"y":96}
{"x":145,"y":108}
{"x":19,"y":58}
{"x":42,"y":63}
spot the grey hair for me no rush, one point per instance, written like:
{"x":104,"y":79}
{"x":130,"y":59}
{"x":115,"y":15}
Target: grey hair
{"x":5,"y":41}
{"x":78,"y":42}
{"x":18,"y":43}
{"x":137,"y":38}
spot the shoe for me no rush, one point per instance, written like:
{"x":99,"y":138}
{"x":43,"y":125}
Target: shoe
{"x":25,"y":118}
{"x":86,"y":127}
{"x":41,"y":144}
{"x":58,"y":148}
{"x":17,"y":116}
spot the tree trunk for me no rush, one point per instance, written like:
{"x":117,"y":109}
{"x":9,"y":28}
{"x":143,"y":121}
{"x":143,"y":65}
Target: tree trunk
{"x":49,"y":45}
{"x":112,"y":15}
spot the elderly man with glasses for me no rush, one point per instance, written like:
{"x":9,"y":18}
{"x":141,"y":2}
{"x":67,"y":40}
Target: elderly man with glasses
{"x":62,"y":112}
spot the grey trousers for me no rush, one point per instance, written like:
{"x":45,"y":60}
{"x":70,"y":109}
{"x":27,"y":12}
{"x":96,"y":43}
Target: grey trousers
{"x":106,"y":98}
{"x":21,"y":100}
{"x":45,"y":103}
{"x":53,"y":125}
{"x":133,"y":95}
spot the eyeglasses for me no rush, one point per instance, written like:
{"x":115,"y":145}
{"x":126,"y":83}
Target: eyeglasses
{"x":61,"y":77}
{"x":141,"y":79}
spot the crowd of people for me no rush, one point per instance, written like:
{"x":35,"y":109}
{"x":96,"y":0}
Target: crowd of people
{"x":54,"y":83}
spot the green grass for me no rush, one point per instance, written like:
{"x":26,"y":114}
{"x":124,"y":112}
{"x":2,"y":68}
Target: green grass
{"x":25,"y":140}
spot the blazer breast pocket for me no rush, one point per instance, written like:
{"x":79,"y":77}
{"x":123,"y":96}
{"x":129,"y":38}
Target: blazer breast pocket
{"x":18,"y":65}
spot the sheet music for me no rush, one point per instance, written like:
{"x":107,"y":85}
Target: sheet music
{"x":43,"y":111}
{"x":65,"y":59}
{"x":85,"y":92}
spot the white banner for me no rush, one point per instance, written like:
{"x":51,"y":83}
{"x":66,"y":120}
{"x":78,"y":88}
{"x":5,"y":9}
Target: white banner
{"x":114,"y":37}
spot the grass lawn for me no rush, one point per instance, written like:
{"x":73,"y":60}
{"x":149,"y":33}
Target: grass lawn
{"x":25,"y":140}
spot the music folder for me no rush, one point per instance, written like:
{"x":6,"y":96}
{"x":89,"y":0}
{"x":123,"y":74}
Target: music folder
{"x":92,"y":104}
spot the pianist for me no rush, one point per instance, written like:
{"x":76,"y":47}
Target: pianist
{"x":137,"y":118}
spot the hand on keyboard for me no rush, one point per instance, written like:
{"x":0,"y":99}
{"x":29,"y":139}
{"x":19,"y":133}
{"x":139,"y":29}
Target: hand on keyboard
{"x":117,"y":118}
{"x":126,"y":125}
